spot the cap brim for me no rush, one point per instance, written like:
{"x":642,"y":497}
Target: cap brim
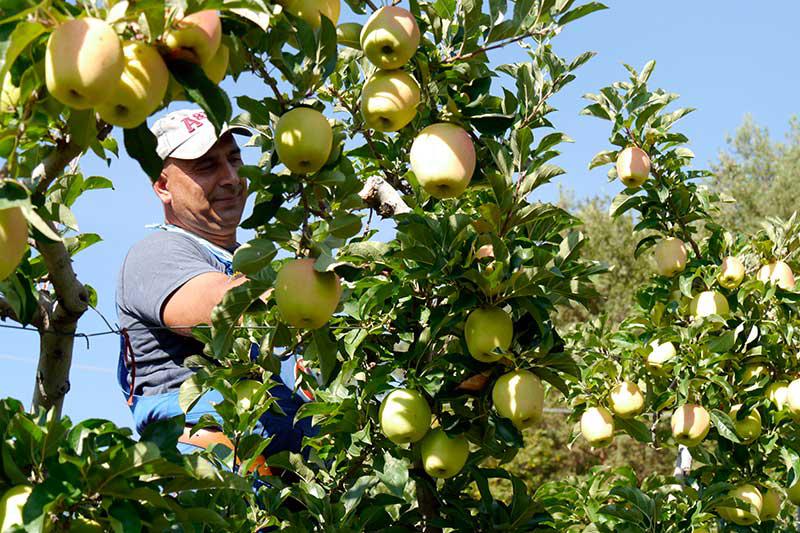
{"x":197,"y":145}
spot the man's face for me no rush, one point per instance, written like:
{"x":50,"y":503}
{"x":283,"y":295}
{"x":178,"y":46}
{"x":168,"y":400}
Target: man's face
{"x":205,"y":194}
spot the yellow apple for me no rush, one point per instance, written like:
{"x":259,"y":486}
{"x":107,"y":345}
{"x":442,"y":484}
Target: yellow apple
{"x":140,"y":90}
{"x":771,"y":504}
{"x":731,"y":272}
{"x":670,"y":254}
{"x":519,"y":396}
{"x":245,"y":391}
{"x":660,"y":356}
{"x":11,"y":505}
{"x":690,"y":424}
{"x":349,"y":34}
{"x":195,"y":38}
{"x":390,"y":37}
{"x":709,"y":303}
{"x":443,"y":159}
{"x":389,"y":100}
{"x":793,"y":398}
{"x":13,"y":240}
{"x":778,"y":273}
{"x":83,"y":61}
{"x":306,"y":298}
{"x":311,"y":10}
{"x":748,"y":428}
{"x":486,"y":329}
{"x":303,"y":140}
{"x":793,"y":492}
{"x":9,"y":95}
{"x":597,"y":427}
{"x":750,"y":495}
{"x":753,"y":373}
{"x":633,"y":166}
{"x":626,"y":399}
{"x":443,"y":456}
{"x":216,"y":69}
{"x":404,"y":416}
{"x":778,"y":393}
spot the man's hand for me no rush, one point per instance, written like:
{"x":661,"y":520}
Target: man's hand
{"x":192,"y":303}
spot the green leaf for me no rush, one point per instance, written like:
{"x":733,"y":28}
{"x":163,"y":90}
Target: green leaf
{"x":724,"y":425}
{"x":140,"y":143}
{"x":213,"y":100}
{"x":634,"y":428}
{"x":14,"y":38}
{"x":253,"y":256}
{"x":581,"y":11}
{"x":324,"y":350}
{"x":345,"y":225}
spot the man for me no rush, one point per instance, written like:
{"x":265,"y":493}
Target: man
{"x":172,"y":279}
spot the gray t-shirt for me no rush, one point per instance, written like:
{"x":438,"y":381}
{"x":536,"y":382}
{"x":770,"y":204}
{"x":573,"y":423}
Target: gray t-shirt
{"x":153,"y":270}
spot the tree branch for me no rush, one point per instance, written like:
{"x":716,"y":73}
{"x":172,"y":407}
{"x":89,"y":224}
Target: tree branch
{"x":380,"y":196}
{"x":501,"y":44}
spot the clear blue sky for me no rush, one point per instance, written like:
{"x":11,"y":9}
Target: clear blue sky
{"x":726,"y":59}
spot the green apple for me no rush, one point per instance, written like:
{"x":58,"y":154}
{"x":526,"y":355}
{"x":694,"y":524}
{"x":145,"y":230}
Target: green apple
{"x":748,"y":428}
{"x":778,"y":273}
{"x":660,"y":356}
{"x":488,"y":328}
{"x":9,"y":95}
{"x":349,"y":34}
{"x":626,"y":399}
{"x":771,"y":504}
{"x":389,"y":100}
{"x":633,"y":166}
{"x":793,"y":398}
{"x":690,"y":424}
{"x":404,"y":416}
{"x":84,"y":525}
{"x":519,"y":396}
{"x":731,"y":272}
{"x":709,"y":303}
{"x":793,"y":492}
{"x":390,"y":37}
{"x":306,"y":298}
{"x":303,"y":140}
{"x":778,"y":393}
{"x":140,"y":89}
{"x":443,"y":159}
{"x":13,"y":240}
{"x":443,"y":456}
{"x":750,"y":495}
{"x":11,"y":505}
{"x":246,"y":390}
{"x":311,"y":10}
{"x":752,"y":375}
{"x":597,"y":426}
{"x":670,"y":255}
{"x":216,"y":69}
{"x":83,"y":61}
{"x":195,"y":38}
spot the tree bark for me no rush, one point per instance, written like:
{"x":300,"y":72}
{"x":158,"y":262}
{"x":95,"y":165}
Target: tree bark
{"x":380,"y":196}
{"x":428,"y":505}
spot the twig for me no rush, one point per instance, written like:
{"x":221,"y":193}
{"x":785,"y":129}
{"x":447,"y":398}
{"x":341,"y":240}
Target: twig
{"x":501,"y":44}
{"x":259,"y":66}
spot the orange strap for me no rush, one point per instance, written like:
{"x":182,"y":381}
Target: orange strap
{"x":205,"y":438}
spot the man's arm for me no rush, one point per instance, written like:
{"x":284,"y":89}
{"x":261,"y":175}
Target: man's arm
{"x":192,"y":303}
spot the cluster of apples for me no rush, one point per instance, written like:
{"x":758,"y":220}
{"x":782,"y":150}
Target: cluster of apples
{"x":88,"y":66}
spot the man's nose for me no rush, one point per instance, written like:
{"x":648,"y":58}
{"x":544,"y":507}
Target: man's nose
{"x":229,"y":174}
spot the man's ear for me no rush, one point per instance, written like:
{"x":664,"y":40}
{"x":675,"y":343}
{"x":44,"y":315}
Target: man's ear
{"x":161,"y":189}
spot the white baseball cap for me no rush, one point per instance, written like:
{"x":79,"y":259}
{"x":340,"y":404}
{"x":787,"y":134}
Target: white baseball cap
{"x":188,"y":134}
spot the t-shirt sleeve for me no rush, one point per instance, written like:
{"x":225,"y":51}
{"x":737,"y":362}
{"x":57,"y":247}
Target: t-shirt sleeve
{"x":155,"y":268}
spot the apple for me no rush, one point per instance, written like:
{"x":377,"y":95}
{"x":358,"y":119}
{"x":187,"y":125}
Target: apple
{"x":690,"y":424}
{"x":311,"y":10}
{"x":390,"y":37}
{"x":670,"y":254}
{"x":195,"y":38}
{"x":519,"y":396}
{"x":140,"y":89}
{"x":217,"y":67}
{"x":389,"y":100}
{"x":83,"y":61}
{"x":9,"y":95}
{"x":748,"y":428}
{"x":349,"y":34}
{"x":13,"y":240}
{"x":633,"y":166}
{"x":626,"y":399}
{"x":793,"y":492}
{"x":443,"y":456}
{"x":793,"y":398}
{"x":404,"y":416}
{"x":245,"y":391}
{"x":777,"y":393}
{"x":709,"y":303}
{"x":660,"y":356}
{"x":488,"y":328}
{"x":597,"y":427}
{"x":84,"y":525}
{"x":753,"y":373}
{"x":749,"y":494}
{"x":731,"y":272}
{"x":778,"y":273}
{"x":303,"y":140}
{"x":771,"y":504}
{"x":306,"y":298}
{"x":11,"y":505}
{"x":443,"y":159}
